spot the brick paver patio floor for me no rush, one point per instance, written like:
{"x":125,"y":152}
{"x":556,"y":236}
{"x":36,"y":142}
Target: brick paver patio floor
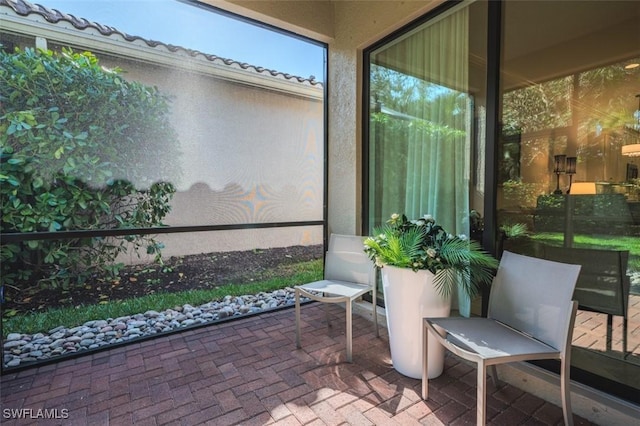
{"x":249,"y":372}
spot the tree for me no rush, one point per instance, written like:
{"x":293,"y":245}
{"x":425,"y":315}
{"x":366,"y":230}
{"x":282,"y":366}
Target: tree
{"x":81,"y":148}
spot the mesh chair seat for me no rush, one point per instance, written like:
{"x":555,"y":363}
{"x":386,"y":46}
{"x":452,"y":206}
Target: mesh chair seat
{"x":348,"y":275}
{"x":531,"y":317}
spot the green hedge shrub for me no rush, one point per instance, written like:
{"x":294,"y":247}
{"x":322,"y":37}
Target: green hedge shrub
{"x":81,"y":148}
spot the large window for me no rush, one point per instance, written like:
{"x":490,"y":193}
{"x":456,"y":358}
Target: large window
{"x":426,"y":94}
{"x":235,"y":143}
{"x":426,"y":114}
{"x":132,"y":170}
{"x":545,"y":149}
{"x":568,"y":159}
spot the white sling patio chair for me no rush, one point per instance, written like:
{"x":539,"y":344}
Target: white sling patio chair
{"x":348,"y":274}
{"x":530,"y":317}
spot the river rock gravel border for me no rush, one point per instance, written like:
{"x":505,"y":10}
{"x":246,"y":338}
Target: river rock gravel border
{"x":22,"y":350}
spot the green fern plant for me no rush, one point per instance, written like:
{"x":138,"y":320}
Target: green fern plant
{"x":514,"y":230}
{"x":423,"y":244}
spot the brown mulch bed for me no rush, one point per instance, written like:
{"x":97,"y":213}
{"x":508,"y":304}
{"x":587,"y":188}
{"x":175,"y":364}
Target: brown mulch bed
{"x":193,"y":272}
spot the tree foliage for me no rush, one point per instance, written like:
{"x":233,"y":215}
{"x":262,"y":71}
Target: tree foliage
{"x":81,"y":148}
{"x":591,"y":102}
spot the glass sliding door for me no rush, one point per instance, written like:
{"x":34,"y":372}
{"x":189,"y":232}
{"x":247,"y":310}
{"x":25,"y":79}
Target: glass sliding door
{"x":558,"y":178}
{"x":568,"y":185}
{"x":426,"y":137}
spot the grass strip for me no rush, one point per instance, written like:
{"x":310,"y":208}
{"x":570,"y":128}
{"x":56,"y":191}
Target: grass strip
{"x":74,"y":316}
{"x":586,"y":241}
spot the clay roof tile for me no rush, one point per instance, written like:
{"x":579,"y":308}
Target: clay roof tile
{"x":25,"y":8}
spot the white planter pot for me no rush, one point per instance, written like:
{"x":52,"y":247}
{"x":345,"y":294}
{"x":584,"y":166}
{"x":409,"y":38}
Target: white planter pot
{"x":409,"y":297}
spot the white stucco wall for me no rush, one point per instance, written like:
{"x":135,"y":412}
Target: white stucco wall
{"x":249,"y":155}
{"x":245,"y":137}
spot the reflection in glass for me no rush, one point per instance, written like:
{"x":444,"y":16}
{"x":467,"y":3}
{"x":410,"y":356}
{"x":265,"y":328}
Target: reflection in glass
{"x":573,"y":117}
{"x":426,"y":140}
{"x":422,"y":130}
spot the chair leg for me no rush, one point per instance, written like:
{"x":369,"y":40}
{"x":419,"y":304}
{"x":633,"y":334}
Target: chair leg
{"x":326,"y":311}
{"x":494,"y":375}
{"x":297,"y":294}
{"x":375,"y":318}
{"x":425,"y":363}
{"x":624,"y":337}
{"x":349,"y":330}
{"x":481,"y":402}
{"x":609,"y":332}
{"x":565,"y":390}
{"x":374,"y":299}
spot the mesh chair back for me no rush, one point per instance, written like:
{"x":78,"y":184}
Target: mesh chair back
{"x":346,"y":266}
{"x":348,"y":243}
{"x":534,"y":296}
